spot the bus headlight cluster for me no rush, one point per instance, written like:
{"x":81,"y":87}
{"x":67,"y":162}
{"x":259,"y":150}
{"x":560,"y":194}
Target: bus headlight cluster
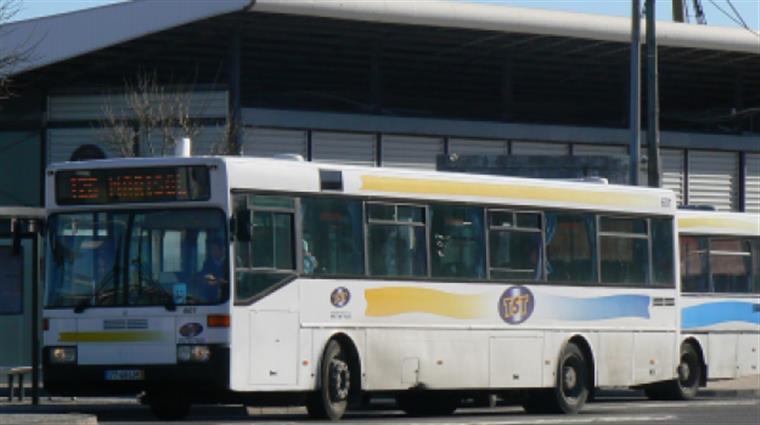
{"x":193,"y":353}
{"x":63,"y":355}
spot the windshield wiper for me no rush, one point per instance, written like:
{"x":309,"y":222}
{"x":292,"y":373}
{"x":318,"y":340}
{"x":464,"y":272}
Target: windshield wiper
{"x":100,"y":290}
{"x":145,"y":276}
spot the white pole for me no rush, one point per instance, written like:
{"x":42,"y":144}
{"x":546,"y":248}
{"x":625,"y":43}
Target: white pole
{"x":183,"y":147}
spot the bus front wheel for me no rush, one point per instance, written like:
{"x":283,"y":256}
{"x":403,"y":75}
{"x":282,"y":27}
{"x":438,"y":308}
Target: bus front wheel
{"x":331,"y":399}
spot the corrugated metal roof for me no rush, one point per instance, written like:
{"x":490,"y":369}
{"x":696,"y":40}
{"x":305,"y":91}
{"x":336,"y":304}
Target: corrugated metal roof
{"x":57,"y":38}
{"x":490,"y":17}
{"x":52,"y":39}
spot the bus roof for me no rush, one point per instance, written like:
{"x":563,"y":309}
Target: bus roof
{"x":280,"y":175}
{"x":718,"y":223}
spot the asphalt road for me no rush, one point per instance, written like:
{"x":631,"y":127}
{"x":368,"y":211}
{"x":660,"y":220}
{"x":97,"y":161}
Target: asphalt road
{"x":621,"y":411}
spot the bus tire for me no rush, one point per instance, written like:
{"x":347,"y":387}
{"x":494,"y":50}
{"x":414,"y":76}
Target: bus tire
{"x":571,"y":389}
{"x":168,"y":406}
{"x":685,"y":387}
{"x":421,"y":403}
{"x":331,"y":399}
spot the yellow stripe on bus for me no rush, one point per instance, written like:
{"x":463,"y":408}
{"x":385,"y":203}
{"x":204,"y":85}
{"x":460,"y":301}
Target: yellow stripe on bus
{"x":725,"y":224}
{"x":129,"y":336}
{"x":512,"y":191}
{"x":392,"y":301}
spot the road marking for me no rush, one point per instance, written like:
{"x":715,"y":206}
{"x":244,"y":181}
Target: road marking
{"x":602,"y":419}
{"x":671,"y":405}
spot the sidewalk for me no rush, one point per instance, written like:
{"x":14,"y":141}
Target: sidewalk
{"x":748,"y":386}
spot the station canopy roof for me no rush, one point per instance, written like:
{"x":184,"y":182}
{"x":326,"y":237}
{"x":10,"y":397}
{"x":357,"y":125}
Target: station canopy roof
{"x":431,"y":57}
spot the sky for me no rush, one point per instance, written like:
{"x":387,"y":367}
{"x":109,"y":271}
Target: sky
{"x":718,"y":12}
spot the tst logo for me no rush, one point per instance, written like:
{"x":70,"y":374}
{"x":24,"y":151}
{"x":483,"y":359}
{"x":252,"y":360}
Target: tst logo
{"x":516,"y":305}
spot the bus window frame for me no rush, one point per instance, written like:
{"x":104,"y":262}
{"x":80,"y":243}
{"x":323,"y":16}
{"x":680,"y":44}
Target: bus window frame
{"x":487,"y":207}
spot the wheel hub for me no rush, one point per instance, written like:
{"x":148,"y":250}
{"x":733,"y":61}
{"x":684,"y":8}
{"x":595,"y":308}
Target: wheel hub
{"x":340,"y":380}
{"x":569,"y":378}
{"x":684,"y":371}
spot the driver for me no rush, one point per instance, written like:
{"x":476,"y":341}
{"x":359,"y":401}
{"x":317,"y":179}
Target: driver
{"x":214,"y":267}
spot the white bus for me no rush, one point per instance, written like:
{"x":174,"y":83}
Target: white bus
{"x":264,"y":281}
{"x":720,"y":304}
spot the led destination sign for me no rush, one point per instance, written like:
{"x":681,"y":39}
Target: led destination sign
{"x":125,"y":185}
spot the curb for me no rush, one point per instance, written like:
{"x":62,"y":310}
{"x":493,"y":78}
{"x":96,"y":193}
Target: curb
{"x":48,"y":419}
{"x":729,"y":393}
{"x":702,"y":393}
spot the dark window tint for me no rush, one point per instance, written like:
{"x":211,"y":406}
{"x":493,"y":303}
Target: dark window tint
{"x":624,"y":251}
{"x":755,"y":247}
{"x":272,"y":240}
{"x":571,"y":244}
{"x":730,"y":265}
{"x":694,"y":275}
{"x":515,"y":245}
{"x":397,"y":246}
{"x":624,"y":260}
{"x":663,"y":253}
{"x":268,"y":258}
{"x":333,"y":241}
{"x":457,"y":242}
{"x":623,"y":225}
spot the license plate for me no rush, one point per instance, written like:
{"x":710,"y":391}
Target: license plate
{"x":125,"y":375}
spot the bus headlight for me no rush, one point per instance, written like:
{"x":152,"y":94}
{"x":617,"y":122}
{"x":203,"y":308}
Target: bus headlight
{"x":63,"y":355}
{"x":193,"y":353}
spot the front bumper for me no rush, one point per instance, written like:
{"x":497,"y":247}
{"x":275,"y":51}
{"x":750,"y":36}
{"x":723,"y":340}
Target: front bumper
{"x":90,"y":380}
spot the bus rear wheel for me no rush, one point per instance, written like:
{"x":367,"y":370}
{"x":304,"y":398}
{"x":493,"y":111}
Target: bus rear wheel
{"x":331,"y":399}
{"x":571,"y":389}
{"x":685,"y":387}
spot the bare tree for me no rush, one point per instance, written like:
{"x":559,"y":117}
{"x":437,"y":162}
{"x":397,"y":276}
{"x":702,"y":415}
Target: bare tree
{"x":10,"y":56}
{"x":148,"y":117}
{"x":226,"y":143}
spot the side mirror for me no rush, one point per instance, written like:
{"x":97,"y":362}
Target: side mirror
{"x":241,"y":225}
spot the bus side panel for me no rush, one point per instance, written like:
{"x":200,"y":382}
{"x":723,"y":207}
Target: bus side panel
{"x":435,"y":359}
{"x":265,"y":344}
{"x":653,"y":356}
{"x":729,"y":331}
{"x":721,"y":354}
{"x":514,"y":360}
{"x":615,"y":359}
{"x":749,"y":354}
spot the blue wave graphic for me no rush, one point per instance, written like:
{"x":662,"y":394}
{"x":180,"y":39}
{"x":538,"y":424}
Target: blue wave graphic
{"x":719,"y":312}
{"x":598,"y":308}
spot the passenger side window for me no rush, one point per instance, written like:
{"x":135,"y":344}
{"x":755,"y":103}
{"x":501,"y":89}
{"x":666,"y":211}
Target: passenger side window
{"x":694,"y":277}
{"x":264,"y":251}
{"x":396,"y":241}
{"x":730,"y":265}
{"x":570,"y":247}
{"x":624,"y":250}
{"x":755,"y":247}
{"x":515,"y":245}
{"x":333,"y":237}
{"x":457,"y":241}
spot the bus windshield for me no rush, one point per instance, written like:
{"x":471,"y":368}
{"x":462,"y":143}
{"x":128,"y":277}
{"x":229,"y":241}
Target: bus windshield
{"x":137,"y":258}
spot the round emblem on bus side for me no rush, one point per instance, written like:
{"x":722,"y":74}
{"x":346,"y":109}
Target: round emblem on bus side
{"x":516,"y":305}
{"x":340,"y":296}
